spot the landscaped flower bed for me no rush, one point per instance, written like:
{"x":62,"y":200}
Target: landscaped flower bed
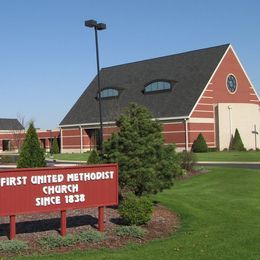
{"x":39,"y":233}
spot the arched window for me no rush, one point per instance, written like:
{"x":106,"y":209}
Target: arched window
{"x":158,"y":86}
{"x":109,"y":92}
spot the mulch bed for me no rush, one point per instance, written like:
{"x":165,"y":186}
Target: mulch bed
{"x":31,"y":228}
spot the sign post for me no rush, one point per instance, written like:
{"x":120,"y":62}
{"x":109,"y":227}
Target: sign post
{"x":27,"y":191}
{"x":63,"y":223}
{"x":101,"y":219}
{"x":12,"y":227}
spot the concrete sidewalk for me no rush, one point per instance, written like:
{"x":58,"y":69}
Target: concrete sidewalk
{"x":7,"y":166}
{"x":230,"y":162}
{"x":63,"y":163}
{"x":50,"y":163}
{"x":239,"y":165}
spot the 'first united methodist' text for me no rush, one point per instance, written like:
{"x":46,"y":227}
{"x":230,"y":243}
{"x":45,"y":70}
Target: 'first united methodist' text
{"x":72,"y":187}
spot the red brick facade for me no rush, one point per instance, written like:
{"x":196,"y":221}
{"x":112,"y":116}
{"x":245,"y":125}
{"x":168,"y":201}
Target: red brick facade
{"x":217,"y":92}
{"x":10,"y":141}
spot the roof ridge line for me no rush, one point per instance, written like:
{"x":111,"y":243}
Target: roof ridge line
{"x":165,"y":56}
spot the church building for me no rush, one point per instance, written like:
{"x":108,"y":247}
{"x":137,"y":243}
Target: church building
{"x":202,"y":91}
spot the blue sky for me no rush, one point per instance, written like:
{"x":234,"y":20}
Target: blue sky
{"x":47,"y":56}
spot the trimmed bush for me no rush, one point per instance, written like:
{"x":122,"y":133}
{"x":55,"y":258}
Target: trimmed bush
{"x":236,"y":143}
{"x":94,"y":157}
{"x":130,"y":231}
{"x":199,"y":145}
{"x":188,"y":160}
{"x":135,"y":210}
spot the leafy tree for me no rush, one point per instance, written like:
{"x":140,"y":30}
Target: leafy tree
{"x":199,"y":145}
{"x":94,"y":157}
{"x":145,"y":165}
{"x":236,"y":143}
{"x":55,"y":146}
{"x":31,"y":154}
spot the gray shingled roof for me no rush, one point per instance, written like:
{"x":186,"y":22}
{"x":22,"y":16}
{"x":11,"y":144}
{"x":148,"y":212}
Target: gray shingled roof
{"x":190,"y":70}
{"x":10,"y":124}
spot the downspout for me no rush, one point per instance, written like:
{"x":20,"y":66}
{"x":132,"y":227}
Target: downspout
{"x":80,"y":127}
{"x":230,"y":121}
{"x":61,"y":141}
{"x":186,"y":135}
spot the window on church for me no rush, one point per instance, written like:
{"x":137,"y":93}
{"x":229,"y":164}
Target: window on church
{"x":109,"y":92}
{"x":158,"y":86}
{"x":231,"y":83}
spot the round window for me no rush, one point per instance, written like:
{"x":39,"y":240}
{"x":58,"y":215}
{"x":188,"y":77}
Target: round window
{"x":231,"y":83}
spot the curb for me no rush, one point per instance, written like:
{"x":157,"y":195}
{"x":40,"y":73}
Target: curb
{"x":65,"y":161}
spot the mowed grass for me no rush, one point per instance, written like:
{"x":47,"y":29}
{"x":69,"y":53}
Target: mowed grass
{"x":252,"y":156}
{"x":212,"y":156}
{"x":69,"y":156}
{"x":220,"y":220}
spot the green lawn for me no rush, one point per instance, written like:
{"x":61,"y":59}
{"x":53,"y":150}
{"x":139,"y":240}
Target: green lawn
{"x":230,"y":156}
{"x":212,"y":156}
{"x":220,"y":220}
{"x":70,"y":156}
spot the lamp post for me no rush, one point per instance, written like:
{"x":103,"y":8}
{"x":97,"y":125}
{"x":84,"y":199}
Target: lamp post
{"x":98,"y":27}
{"x":51,"y":143}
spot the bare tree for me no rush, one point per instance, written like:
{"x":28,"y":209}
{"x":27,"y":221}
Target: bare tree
{"x":19,"y":132}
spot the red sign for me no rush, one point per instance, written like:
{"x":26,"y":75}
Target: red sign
{"x":24,"y":191}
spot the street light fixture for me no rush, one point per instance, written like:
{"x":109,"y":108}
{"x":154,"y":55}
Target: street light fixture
{"x":51,"y":143}
{"x":98,"y":27}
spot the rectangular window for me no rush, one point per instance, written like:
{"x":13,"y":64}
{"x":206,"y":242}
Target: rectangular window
{"x":6,"y":145}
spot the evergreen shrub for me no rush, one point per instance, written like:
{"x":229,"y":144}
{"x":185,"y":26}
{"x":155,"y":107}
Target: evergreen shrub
{"x":199,"y":145}
{"x":31,"y":153}
{"x":237,"y":144}
{"x":55,"y":146}
{"x":146,"y":165}
{"x":135,"y":210}
{"x":94,"y":157}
